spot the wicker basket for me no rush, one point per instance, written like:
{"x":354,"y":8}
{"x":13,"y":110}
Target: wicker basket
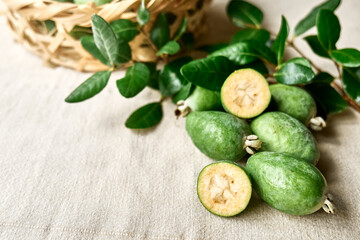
{"x":61,"y":49}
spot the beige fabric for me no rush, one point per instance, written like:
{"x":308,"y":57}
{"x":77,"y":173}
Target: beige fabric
{"x":75,"y":172}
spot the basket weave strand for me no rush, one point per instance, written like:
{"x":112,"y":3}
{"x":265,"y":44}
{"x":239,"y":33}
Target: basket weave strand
{"x":59,"y":48}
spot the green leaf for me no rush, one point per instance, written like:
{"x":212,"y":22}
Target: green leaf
{"x":124,"y":29}
{"x":183,"y":93}
{"x":90,"y":87}
{"x":154,"y":76}
{"x":213,"y":47}
{"x":294,"y":73}
{"x":145,"y":117}
{"x":258,"y":66}
{"x":244,"y":14}
{"x":300,"y":61}
{"x":160,"y":33}
{"x":181,"y":29}
{"x":50,"y":25}
{"x":171,"y":80}
{"x":328,"y":27}
{"x":327,"y":97}
{"x":310,"y":20}
{"x":263,"y":52}
{"x":143,"y":15}
{"x":78,"y":32}
{"x":351,"y":80}
{"x":187,"y":41}
{"x":239,"y":53}
{"x":105,"y":39}
{"x":170,"y":48}
{"x":135,"y":80}
{"x":279,"y":44}
{"x":89,"y":45}
{"x":209,"y":73}
{"x":348,"y":57}
{"x":259,"y":35}
{"x":323,"y":77}
{"x":124,"y":54}
{"x":316,"y":46}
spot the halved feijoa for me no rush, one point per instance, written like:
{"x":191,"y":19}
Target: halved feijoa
{"x":224,"y":188}
{"x":245,"y":93}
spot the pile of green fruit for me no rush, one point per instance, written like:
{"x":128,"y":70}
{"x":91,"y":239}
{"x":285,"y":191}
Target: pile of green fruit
{"x":282,"y":172}
{"x":225,"y":91}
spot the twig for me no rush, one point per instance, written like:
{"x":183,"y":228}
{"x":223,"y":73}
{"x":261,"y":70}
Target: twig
{"x":293,"y":46}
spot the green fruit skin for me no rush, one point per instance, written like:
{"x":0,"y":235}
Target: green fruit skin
{"x":282,"y":133}
{"x":199,"y":185}
{"x":203,"y":99}
{"x":293,"y":101}
{"x":218,"y":135}
{"x":287,"y":184}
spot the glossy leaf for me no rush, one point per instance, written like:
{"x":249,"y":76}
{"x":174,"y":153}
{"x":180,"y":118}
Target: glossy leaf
{"x":209,"y":73}
{"x":294,"y":73}
{"x":88,"y":44}
{"x":135,"y":80}
{"x":351,"y":82}
{"x":170,"y":48}
{"x":244,"y":14}
{"x":90,"y":87}
{"x":187,"y":41}
{"x":143,"y":15}
{"x":124,"y":29}
{"x":309,"y":20}
{"x":154,"y":76}
{"x":239,"y":53}
{"x":124,"y":54}
{"x":213,"y":47}
{"x":323,"y":77}
{"x":171,"y":80}
{"x":181,"y":29}
{"x":316,"y":46}
{"x":328,"y":27}
{"x":78,"y":32}
{"x":105,"y":39}
{"x":259,"y":35}
{"x":257,"y":66}
{"x":160,"y":33}
{"x":279,"y":44}
{"x":300,"y":61}
{"x":329,"y":99}
{"x":348,"y":57}
{"x":263,"y":52}
{"x":183,"y":93}
{"x":145,"y":117}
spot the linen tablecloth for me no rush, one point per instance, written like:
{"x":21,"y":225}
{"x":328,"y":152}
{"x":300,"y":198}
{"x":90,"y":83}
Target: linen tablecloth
{"x":73,"y":171}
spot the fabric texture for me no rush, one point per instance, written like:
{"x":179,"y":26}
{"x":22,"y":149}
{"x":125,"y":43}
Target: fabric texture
{"x":73,"y":171}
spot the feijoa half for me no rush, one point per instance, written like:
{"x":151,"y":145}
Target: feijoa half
{"x":224,"y":188}
{"x":245,"y":93}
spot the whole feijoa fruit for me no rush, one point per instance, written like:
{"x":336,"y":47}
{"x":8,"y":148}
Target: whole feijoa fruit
{"x":219,"y":135}
{"x":245,"y":93}
{"x":282,"y":133}
{"x":293,"y":101}
{"x":286,"y":183}
{"x":201,"y":99}
{"x":224,"y":188}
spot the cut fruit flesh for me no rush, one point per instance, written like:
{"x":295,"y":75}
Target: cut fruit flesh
{"x":224,"y":188}
{"x":245,"y":93}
